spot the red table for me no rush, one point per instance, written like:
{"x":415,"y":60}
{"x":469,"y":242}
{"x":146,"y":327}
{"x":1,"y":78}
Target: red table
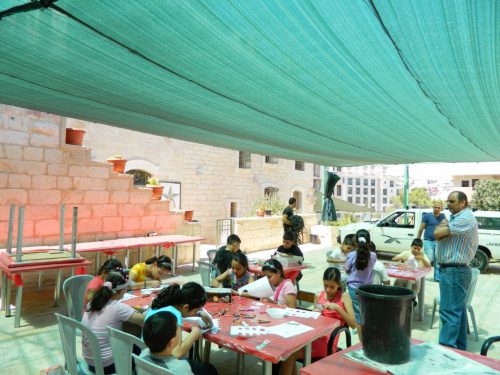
{"x":291,"y":272}
{"x":337,"y":364}
{"x":13,"y":272}
{"x":277,"y":350}
{"x":401,"y":271}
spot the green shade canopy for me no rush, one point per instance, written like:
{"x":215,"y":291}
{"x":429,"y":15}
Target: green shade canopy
{"x":328,"y":81}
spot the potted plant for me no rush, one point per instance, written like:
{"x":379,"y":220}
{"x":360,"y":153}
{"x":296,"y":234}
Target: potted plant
{"x":156,"y":188}
{"x":74,"y":136}
{"x":118,"y":163}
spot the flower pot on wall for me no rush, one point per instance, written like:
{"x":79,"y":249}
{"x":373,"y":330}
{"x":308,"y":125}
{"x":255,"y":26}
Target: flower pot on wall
{"x":74,"y":136}
{"x":260,"y":212}
{"x":118,"y":165}
{"x":188,"y":215}
{"x":157,"y":191}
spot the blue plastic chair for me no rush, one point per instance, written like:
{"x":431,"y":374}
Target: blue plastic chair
{"x":67,"y":330}
{"x":143,"y":367}
{"x":122,"y":345}
{"x":74,"y":292}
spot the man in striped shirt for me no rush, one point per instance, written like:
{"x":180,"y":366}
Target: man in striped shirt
{"x":457,"y":244}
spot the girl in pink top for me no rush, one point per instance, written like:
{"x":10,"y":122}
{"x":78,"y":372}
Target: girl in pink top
{"x":94,"y":284}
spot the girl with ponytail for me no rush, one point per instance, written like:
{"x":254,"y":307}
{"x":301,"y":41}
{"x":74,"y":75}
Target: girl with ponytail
{"x":105,"y":309}
{"x":359,"y":267}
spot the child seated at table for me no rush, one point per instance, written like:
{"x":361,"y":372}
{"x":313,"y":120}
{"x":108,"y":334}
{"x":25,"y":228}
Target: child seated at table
{"x":161,"y":334}
{"x":105,"y":309}
{"x":184,"y":301}
{"x":285,"y":293}
{"x":414,"y":258}
{"x":94,"y":284}
{"x":149,"y":273}
{"x":333,"y":302}
{"x":236,"y":276}
{"x":224,"y":254}
{"x":339,"y":255}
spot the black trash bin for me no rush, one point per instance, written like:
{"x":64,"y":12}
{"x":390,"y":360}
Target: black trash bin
{"x":386,"y":317}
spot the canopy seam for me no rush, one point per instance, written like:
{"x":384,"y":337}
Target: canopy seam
{"x":66,"y":13}
{"x":32,"y":5}
{"x":419,"y":83}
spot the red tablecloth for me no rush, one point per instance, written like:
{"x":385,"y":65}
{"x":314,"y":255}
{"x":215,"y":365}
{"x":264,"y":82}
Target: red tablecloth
{"x":337,"y":364}
{"x":291,"y":272}
{"x":400,"y":271}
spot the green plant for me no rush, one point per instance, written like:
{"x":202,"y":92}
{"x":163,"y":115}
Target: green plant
{"x":269,"y":202}
{"x":346,"y":219}
{"x":153,"y":181}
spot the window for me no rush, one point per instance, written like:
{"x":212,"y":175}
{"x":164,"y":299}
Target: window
{"x":358,"y":181}
{"x":384,"y":191}
{"x":391,"y":183}
{"x":365,"y":200}
{"x":474,"y":182}
{"x":349,"y":199}
{"x":358,"y":200}
{"x":384,"y":200}
{"x":349,"y":181}
{"x":488,"y":223}
{"x":365,"y":182}
{"x":339,"y":190}
{"x":271,"y":160}
{"x":317,"y":184}
{"x":465,"y":183}
{"x":140,"y":176}
{"x":365,"y":191}
{"x":373,"y":199}
{"x":298,"y":197}
{"x":358,"y":191}
{"x":317,"y":170}
{"x":349,"y":190}
{"x":400,"y":220}
{"x":271,"y":190}
{"x":234,"y":209}
{"x":245,"y":160}
{"x":299,"y":165}
{"x":339,"y":169}
{"x":372,"y":182}
{"x":373,"y":191}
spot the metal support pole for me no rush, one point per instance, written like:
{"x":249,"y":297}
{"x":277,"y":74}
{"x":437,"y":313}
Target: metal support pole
{"x":74,"y":232}
{"x":20,"y":230}
{"x":61,"y":227}
{"x":12,"y":213}
{"x":406,"y":188}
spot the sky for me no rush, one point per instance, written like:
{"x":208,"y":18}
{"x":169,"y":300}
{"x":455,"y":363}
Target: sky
{"x":444,"y":171}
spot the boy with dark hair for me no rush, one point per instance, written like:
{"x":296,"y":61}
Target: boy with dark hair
{"x":161,"y":335}
{"x":288,"y":248}
{"x":224,"y":255}
{"x":414,"y":258}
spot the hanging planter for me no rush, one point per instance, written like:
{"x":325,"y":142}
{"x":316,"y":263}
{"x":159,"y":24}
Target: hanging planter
{"x":74,"y":136}
{"x":156,"y":188}
{"x":118,"y":163}
{"x":188,"y":215}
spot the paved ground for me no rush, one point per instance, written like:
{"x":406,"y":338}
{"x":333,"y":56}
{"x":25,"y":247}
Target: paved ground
{"x":36,"y":345}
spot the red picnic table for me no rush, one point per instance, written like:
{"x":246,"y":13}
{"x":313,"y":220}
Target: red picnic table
{"x":13,"y":272}
{"x":276,"y":348}
{"x":401,"y":271}
{"x":338,"y":364}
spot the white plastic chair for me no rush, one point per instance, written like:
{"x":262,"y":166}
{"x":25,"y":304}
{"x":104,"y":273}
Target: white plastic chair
{"x":143,"y":367}
{"x":211,"y":255}
{"x":67,"y":330}
{"x":468,"y":301}
{"x":378,"y":277}
{"x":74,"y":293}
{"x":207,"y":271}
{"x":122,"y":345}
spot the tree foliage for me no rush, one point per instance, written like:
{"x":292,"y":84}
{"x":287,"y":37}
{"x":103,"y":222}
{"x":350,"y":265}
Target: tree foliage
{"x":487,"y":195}
{"x":418,"y":197}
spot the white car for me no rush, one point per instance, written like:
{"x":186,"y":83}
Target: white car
{"x":489,"y":239}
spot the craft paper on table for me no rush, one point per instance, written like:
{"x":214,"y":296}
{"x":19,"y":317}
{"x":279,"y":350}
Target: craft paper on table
{"x":289,"y":329}
{"x":259,"y":288}
{"x":249,"y":330}
{"x":427,"y":359}
{"x":302,"y":313}
{"x":167,"y":282}
{"x":128,"y":296}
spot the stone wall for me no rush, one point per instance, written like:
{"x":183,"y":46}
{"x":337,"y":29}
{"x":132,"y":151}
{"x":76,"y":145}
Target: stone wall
{"x":40,"y":172}
{"x":262,"y":233}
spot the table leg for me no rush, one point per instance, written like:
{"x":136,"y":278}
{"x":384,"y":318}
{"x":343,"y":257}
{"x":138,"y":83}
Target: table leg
{"x":157,"y":250}
{"x":174,"y":255}
{"x":206,"y":351}
{"x":19,"y":302}
{"x":140,"y":254}
{"x":268,"y":368}
{"x":97,"y":261}
{"x":307,"y":354}
{"x":240,"y":359}
{"x":57,"y":290}
{"x":127,"y":261}
{"x":39,"y":281}
{"x":3,"y":294}
{"x":421,"y":299}
{"x":194,"y":255}
{"x":8,"y":284}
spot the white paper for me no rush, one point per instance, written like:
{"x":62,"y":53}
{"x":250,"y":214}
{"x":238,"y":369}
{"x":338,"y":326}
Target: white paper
{"x":289,"y":329}
{"x":249,"y":330}
{"x":427,"y":359}
{"x":128,"y":296}
{"x":302,"y":313}
{"x":259,"y":288}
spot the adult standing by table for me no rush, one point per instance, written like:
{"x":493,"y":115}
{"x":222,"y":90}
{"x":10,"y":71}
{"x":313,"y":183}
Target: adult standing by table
{"x":429,"y":223}
{"x":287,"y":212}
{"x":457,"y":244}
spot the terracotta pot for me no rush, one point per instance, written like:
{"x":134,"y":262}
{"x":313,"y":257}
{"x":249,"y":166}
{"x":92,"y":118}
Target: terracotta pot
{"x":118,"y":165}
{"x":74,"y":136}
{"x":157,"y":191}
{"x":188,"y":215}
{"x":259,"y":212}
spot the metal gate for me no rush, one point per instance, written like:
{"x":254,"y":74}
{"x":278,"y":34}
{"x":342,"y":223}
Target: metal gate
{"x":224,"y":227}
